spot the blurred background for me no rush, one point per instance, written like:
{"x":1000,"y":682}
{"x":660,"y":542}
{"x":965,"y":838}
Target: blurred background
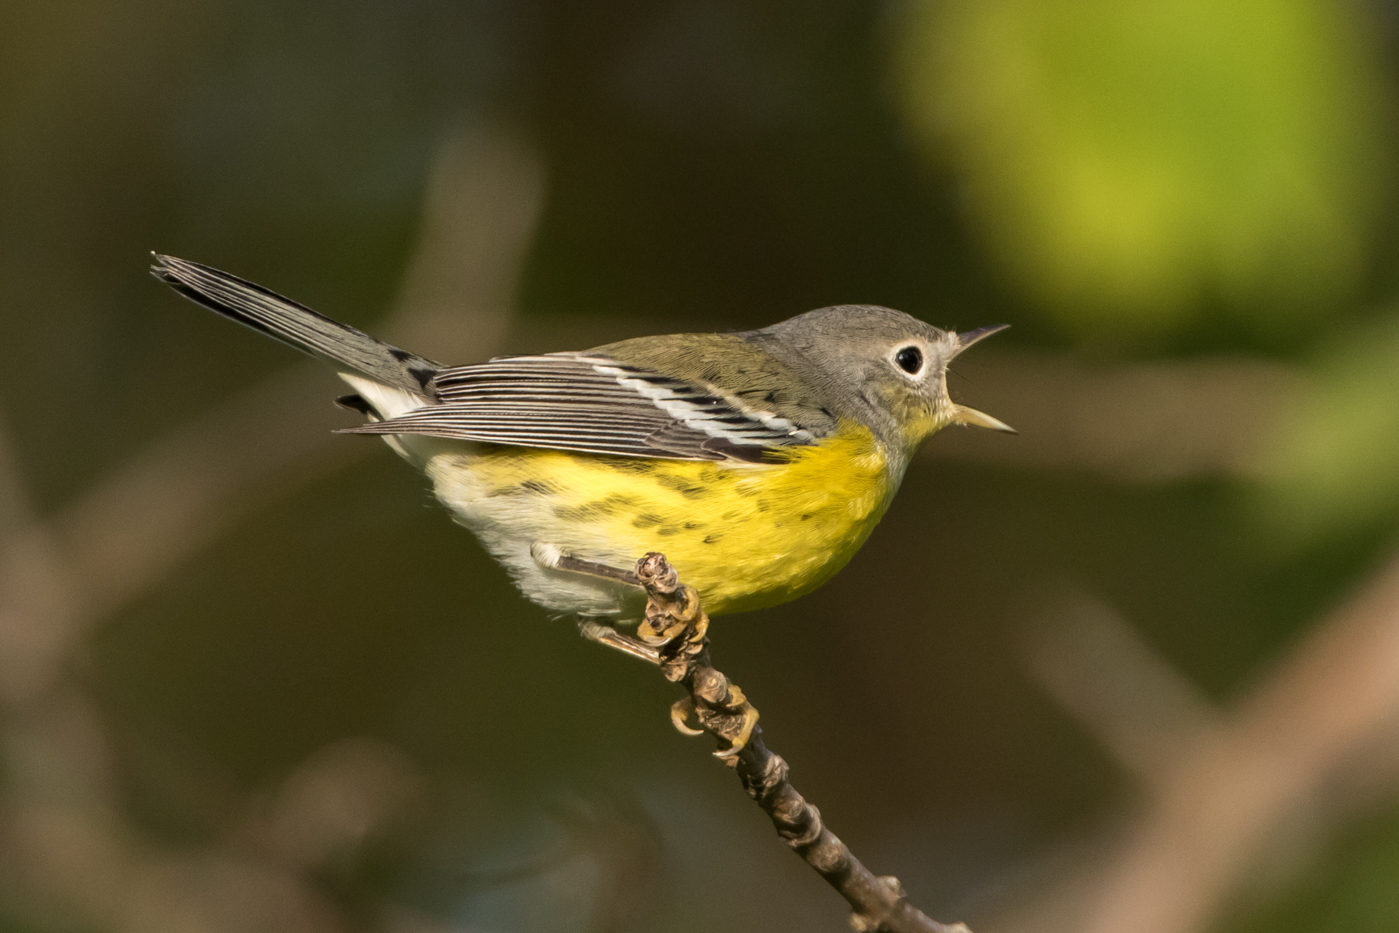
{"x":1135,"y":669}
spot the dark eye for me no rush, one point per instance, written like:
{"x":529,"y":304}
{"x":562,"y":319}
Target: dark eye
{"x":910,"y":359}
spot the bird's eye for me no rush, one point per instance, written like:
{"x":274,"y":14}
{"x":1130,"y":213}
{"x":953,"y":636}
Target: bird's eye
{"x":909,"y":359}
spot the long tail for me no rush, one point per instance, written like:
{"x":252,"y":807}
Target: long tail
{"x":296,"y":325}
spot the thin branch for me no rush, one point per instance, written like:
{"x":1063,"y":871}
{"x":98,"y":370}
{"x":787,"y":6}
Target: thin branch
{"x":676,"y":624}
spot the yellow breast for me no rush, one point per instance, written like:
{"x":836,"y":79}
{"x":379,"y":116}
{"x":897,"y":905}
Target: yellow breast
{"x":744,"y":535}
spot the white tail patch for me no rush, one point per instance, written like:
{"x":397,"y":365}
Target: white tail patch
{"x":388,"y":401}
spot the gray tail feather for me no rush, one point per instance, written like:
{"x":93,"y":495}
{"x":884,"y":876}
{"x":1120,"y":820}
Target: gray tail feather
{"x":294,"y":324}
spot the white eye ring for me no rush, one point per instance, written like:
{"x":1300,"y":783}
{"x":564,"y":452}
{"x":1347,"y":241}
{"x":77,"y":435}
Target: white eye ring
{"x":910,"y":359}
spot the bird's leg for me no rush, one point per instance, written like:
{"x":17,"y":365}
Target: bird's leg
{"x":671,"y":636}
{"x":555,"y":558}
{"x":596,"y":631}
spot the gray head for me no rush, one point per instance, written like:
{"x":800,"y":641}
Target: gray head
{"x":884,"y":367}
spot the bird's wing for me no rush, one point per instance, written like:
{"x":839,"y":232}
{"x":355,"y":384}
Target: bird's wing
{"x":593,"y":403}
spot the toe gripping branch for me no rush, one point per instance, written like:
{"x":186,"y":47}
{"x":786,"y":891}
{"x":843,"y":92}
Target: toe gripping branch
{"x":675,"y":625}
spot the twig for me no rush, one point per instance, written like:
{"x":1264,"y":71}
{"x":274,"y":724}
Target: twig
{"x":676,"y":624}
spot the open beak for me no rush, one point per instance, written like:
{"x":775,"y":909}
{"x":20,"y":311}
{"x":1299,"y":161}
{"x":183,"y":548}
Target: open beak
{"x":961,"y":414}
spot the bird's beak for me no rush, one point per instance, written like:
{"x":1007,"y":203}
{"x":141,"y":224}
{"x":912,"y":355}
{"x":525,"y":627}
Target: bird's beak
{"x":967,"y":338}
{"x":961,"y":414}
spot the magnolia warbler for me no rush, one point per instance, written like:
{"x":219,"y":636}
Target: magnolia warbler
{"x":757,"y":462}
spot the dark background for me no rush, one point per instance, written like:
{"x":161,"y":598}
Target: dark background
{"x":1106,"y":675}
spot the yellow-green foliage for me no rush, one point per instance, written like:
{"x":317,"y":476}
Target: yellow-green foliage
{"x":1132,"y":165}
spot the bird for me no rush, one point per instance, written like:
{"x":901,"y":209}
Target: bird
{"x":758,"y":461}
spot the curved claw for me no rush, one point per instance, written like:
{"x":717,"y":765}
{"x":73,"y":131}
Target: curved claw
{"x":680,"y":712}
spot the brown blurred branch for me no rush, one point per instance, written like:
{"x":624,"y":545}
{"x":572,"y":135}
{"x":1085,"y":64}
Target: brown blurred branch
{"x":1138,"y":422}
{"x":676,"y":624}
{"x":1336,"y":696}
{"x":1140,"y":709}
{"x":1327,"y":716}
{"x":69,"y":852}
{"x":62,"y":573}
{"x":151,"y":512}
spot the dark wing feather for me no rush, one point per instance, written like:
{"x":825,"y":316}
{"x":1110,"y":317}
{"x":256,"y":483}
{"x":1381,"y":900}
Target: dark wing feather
{"x":592,"y":404}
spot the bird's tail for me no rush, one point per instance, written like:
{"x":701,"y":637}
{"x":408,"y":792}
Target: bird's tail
{"x":296,"y":325}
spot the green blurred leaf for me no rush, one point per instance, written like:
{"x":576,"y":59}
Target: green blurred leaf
{"x":1130,"y":162}
{"x":1334,"y":458}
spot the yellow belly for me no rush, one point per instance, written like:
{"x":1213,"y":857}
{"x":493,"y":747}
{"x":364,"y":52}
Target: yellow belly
{"x":744,"y":535}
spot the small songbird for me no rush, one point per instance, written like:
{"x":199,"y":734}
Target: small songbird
{"x":757,"y":462}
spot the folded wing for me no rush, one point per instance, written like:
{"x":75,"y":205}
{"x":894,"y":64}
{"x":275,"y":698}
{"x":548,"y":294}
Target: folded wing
{"x":592,"y":403}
